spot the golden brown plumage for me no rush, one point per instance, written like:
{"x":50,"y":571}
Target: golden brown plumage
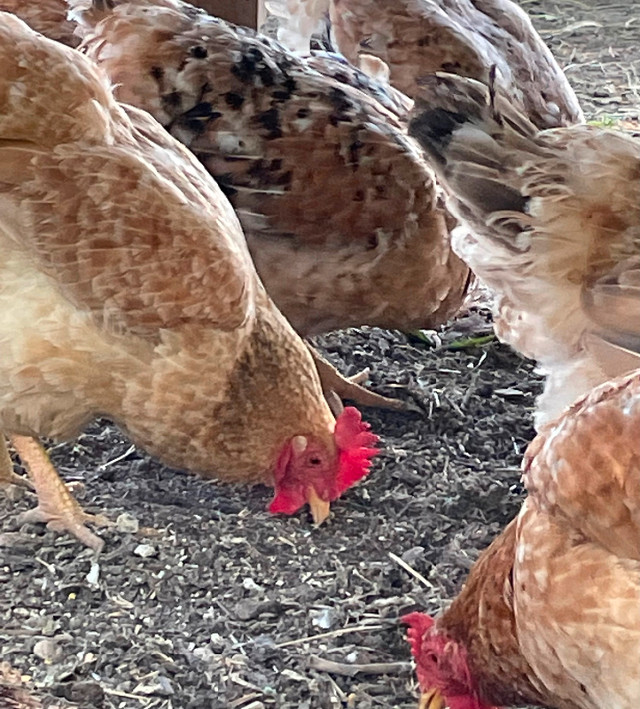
{"x":342,"y":214}
{"x":466,"y":37}
{"x":550,"y":614}
{"x":49,"y":17}
{"x":556,"y":231}
{"x":127,"y":290}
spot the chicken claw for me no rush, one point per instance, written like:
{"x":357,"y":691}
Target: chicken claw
{"x":56,"y":508}
{"x":349,"y":387}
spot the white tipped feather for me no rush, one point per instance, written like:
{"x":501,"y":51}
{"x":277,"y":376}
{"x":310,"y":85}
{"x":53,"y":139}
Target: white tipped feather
{"x":300,"y":19}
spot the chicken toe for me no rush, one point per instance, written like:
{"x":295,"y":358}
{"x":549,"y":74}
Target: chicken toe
{"x":56,"y":508}
{"x":350,"y":388}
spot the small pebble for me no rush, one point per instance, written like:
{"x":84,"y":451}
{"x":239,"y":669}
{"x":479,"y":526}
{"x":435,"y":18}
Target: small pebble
{"x":94,"y":574}
{"x":324,"y":618}
{"x":145,"y":550}
{"x":48,"y":650}
{"x":127,"y":523}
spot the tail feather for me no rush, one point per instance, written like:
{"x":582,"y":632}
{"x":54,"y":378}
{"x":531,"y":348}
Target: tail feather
{"x":475,"y":139}
{"x":554,"y":218}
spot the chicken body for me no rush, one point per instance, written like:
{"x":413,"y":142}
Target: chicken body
{"x":550,"y":613}
{"x":127,"y":290}
{"x":471,"y":38}
{"x":341,"y":212}
{"x":556,"y":231}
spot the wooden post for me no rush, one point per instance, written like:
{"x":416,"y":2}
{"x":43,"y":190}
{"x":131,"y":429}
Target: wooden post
{"x":250,"y":13}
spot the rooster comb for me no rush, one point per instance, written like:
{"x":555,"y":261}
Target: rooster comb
{"x":356,"y":446}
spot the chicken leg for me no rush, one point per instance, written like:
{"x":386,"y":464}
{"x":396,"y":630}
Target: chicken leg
{"x":349,"y":387}
{"x":56,"y":508}
{"x":7,"y":476}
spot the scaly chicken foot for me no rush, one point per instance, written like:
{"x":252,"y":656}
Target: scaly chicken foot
{"x":56,"y":508}
{"x":349,"y":387}
{"x":7,"y":476}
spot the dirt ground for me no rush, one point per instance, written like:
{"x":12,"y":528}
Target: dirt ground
{"x":213,"y":602}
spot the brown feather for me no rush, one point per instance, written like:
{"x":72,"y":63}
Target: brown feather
{"x":49,"y":17}
{"x":553,"y":223}
{"x":416,"y":38}
{"x":549,"y":614}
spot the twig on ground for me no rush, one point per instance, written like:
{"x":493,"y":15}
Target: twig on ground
{"x":410,"y":570}
{"x":351,"y":670}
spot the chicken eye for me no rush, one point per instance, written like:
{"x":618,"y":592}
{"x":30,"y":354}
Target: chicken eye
{"x":314,"y":460}
{"x":432,"y":658}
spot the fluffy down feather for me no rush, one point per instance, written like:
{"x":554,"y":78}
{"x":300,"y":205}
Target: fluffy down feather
{"x":299,"y":20}
{"x":556,"y":231}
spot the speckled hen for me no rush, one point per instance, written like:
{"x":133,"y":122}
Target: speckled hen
{"x":127,"y":290}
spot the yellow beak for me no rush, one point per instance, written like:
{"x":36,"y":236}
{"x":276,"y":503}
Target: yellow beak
{"x":431,"y":700}
{"x":319,"y":508}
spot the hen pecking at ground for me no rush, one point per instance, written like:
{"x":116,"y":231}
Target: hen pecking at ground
{"x":550,"y":613}
{"x":127,"y":291}
{"x":415,"y":38}
{"x":556,"y":231}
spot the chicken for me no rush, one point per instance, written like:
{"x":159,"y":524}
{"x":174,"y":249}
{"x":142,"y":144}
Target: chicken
{"x":550,"y":613}
{"x":466,"y":37}
{"x":342,"y":214}
{"x":376,"y":251}
{"x":127,"y":290}
{"x":556,"y":231}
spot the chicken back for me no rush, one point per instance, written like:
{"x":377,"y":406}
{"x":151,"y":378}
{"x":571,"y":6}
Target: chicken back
{"x":556,"y":230}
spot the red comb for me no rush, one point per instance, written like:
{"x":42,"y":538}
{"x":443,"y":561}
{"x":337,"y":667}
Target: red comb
{"x":419,"y":624}
{"x":356,"y":445}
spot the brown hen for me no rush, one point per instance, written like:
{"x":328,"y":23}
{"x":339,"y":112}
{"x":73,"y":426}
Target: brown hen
{"x":550,"y":613}
{"x":343,"y":217}
{"x":127,"y":291}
